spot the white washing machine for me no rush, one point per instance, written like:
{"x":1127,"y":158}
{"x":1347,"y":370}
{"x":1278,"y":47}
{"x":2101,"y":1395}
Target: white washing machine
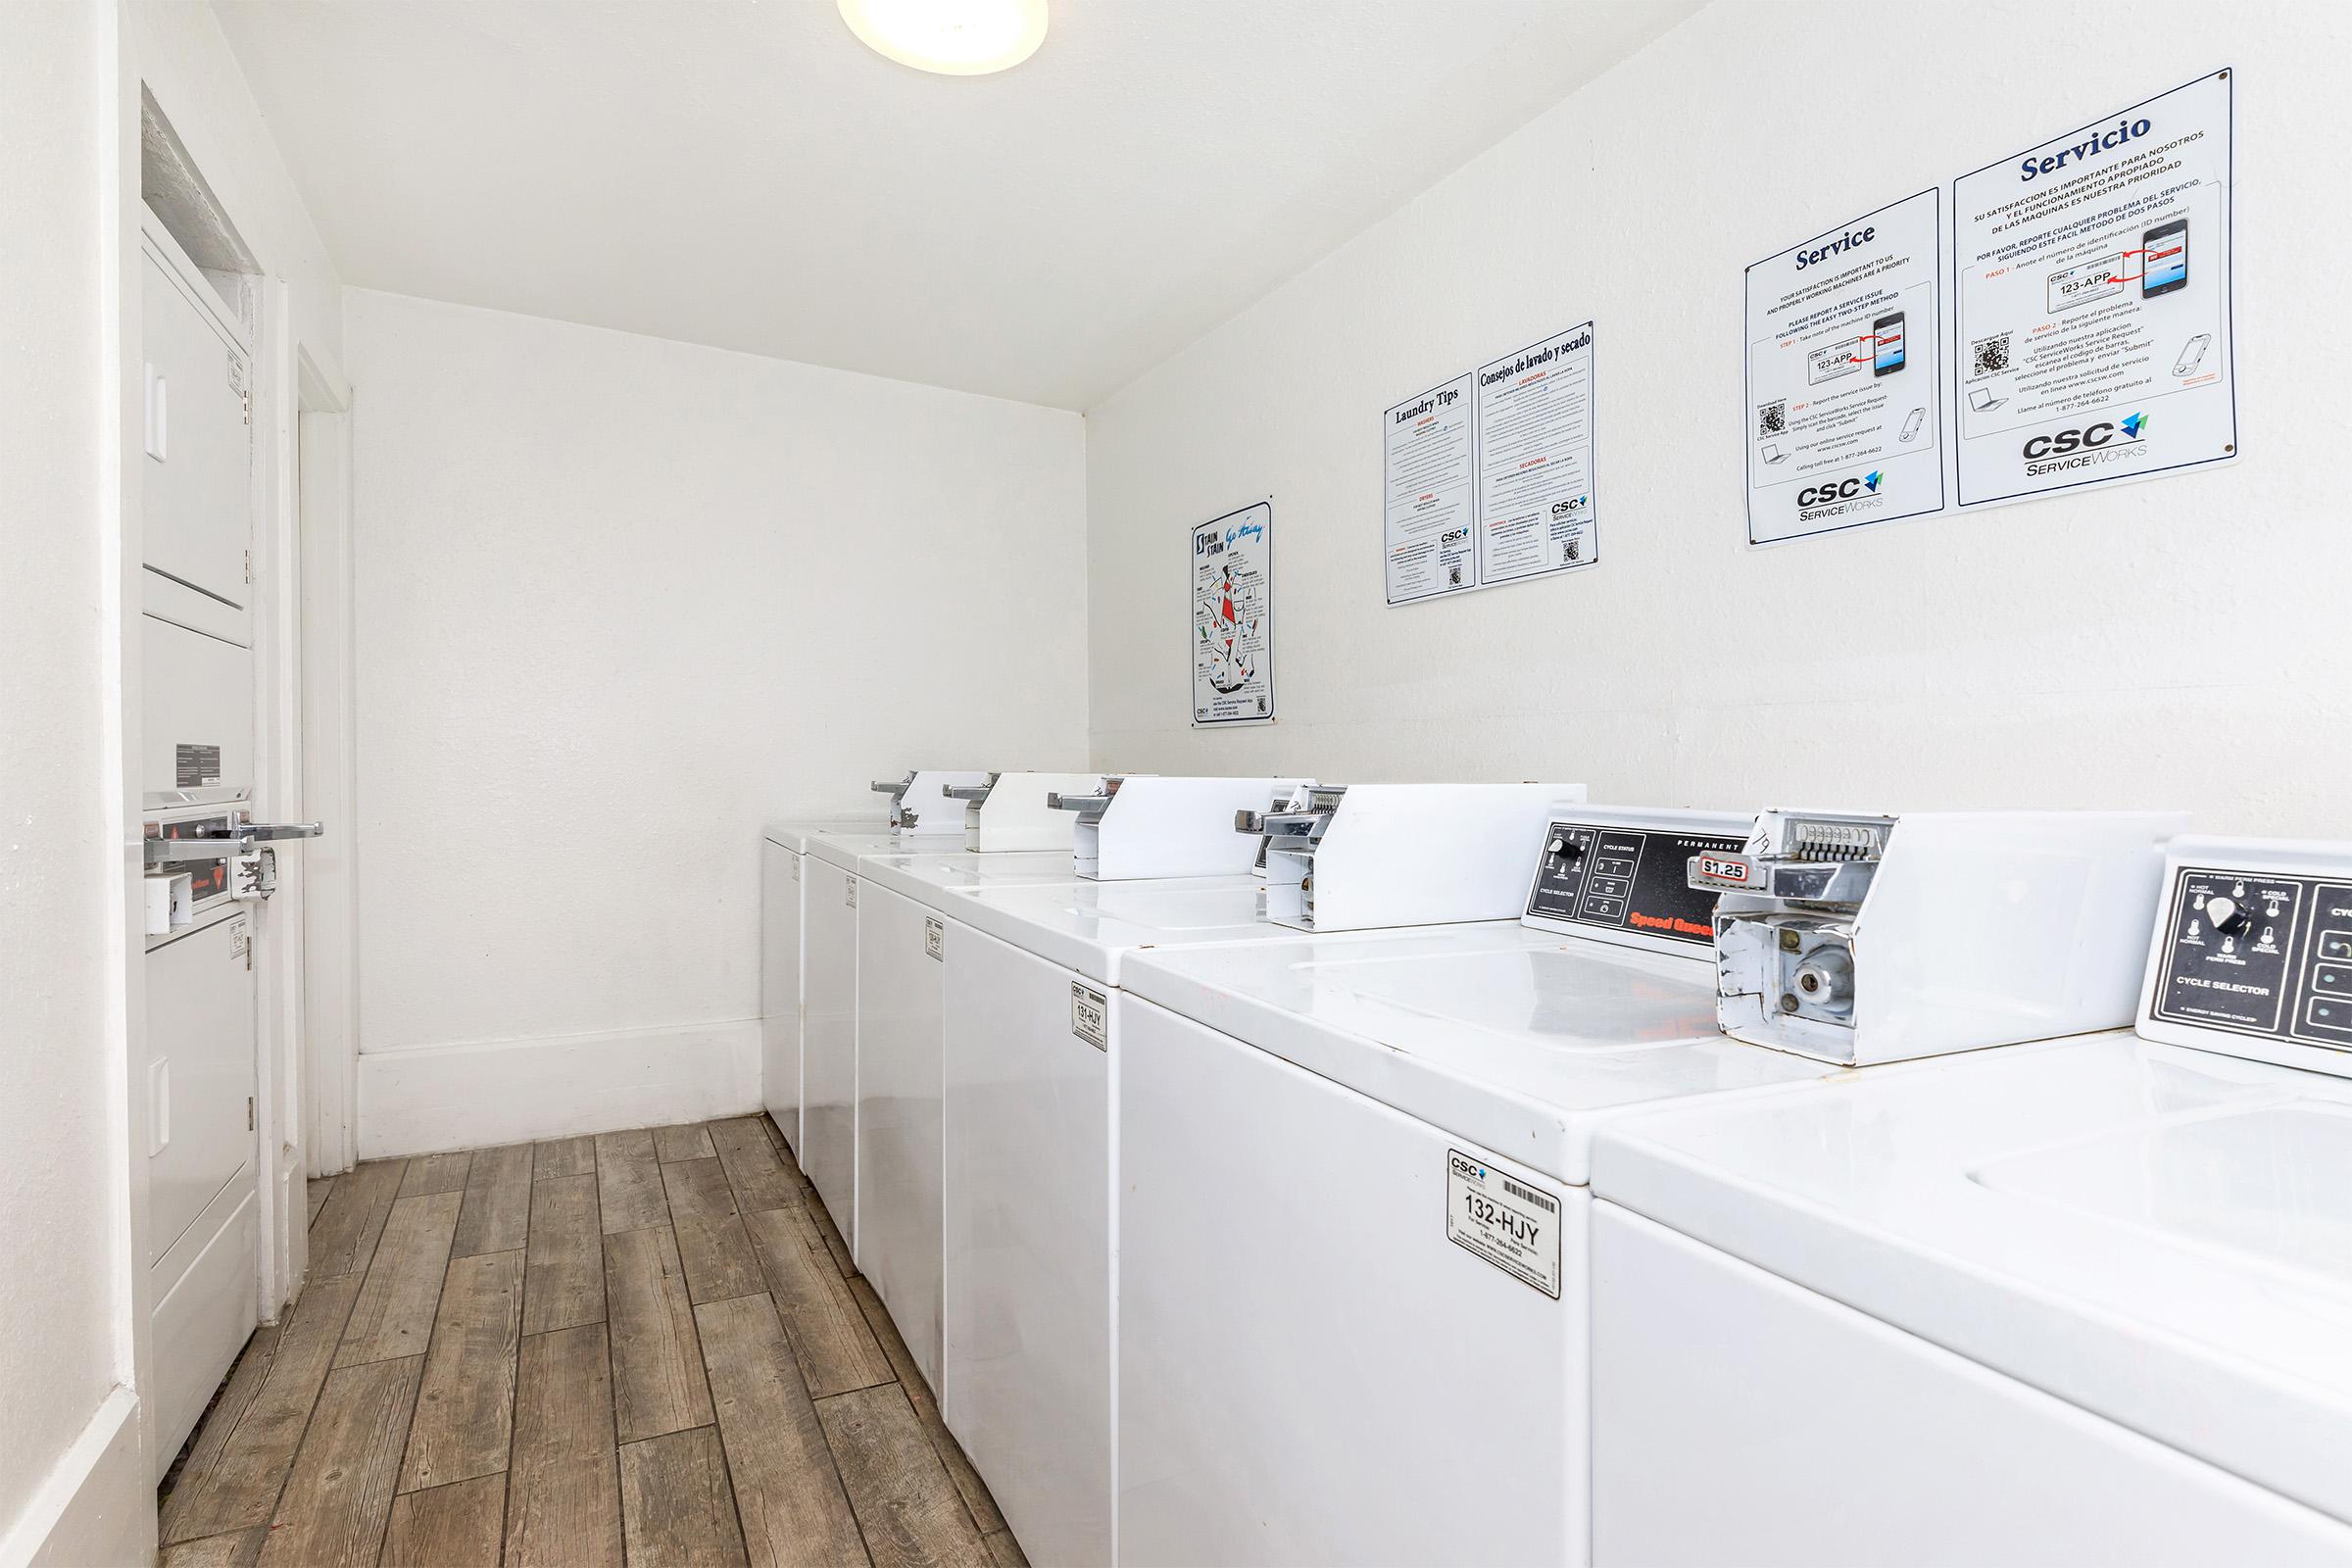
{"x":1037,"y":1043}
{"x":1352,"y":1280}
{"x":906,"y":907}
{"x":2088,"y":1301}
{"x":782,"y":850}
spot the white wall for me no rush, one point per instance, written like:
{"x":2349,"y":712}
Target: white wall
{"x":619,"y":600}
{"x":2181,"y":642}
{"x":61,"y":1148}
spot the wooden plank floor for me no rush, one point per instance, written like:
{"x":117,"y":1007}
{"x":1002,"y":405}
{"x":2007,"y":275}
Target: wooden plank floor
{"x":643,"y":1347}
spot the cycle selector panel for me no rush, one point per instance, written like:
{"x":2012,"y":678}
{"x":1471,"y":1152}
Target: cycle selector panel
{"x":1626,"y":879}
{"x":2258,"y":954}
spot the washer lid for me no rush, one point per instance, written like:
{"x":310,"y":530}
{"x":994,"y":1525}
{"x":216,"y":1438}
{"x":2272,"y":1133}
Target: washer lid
{"x":844,"y":847}
{"x":1515,"y":1039}
{"x":2159,"y":1235}
{"x":932,"y":879}
{"x":795,"y":835}
{"x":1092,"y":927}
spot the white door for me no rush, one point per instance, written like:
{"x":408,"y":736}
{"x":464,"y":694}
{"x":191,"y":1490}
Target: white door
{"x":196,"y":681}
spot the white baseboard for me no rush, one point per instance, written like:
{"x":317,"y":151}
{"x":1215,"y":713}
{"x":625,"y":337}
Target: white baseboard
{"x":510,"y":1091}
{"x":96,"y":1507}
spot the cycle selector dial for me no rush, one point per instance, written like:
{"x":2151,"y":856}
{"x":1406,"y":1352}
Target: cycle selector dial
{"x":2225,"y":914}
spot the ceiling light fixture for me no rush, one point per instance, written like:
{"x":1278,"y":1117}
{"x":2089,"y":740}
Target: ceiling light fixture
{"x":951,"y":37}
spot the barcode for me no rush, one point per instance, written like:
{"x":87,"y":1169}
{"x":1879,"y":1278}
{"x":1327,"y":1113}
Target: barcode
{"x":1988,"y":356}
{"x":1526,"y":1195}
{"x":1773,"y":417}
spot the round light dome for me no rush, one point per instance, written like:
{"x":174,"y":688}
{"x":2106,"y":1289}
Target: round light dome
{"x":952,"y":37}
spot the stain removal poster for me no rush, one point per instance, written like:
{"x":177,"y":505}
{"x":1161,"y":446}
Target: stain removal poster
{"x":2092,"y":303}
{"x":1233,"y":618}
{"x":1845,"y":423}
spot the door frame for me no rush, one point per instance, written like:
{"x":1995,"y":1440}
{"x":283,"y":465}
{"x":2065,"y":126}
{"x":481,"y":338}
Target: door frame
{"x":328,"y":772}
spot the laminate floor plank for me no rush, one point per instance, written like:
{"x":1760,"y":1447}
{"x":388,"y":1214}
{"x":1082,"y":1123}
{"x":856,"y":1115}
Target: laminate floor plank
{"x":628,"y":1182}
{"x":657,"y":1379}
{"x":698,"y":1190}
{"x":315,"y":1193}
{"x":905,"y":1502}
{"x":564,"y":1156}
{"x":1003,"y":1550}
{"x":719,"y":1258}
{"x":835,"y":1246}
{"x":465,"y":1405}
{"x":236,"y":1486}
{"x":676,"y":1503}
{"x":460,"y":1525}
{"x":689,"y":1142}
{"x":436,"y":1173}
{"x":968,"y":1485}
{"x":564,"y":1264}
{"x":393,"y":1318}
{"x":202,"y":1467}
{"x":240,"y":1548}
{"x":787,"y":1490}
{"x":752,"y":1163}
{"x":340,"y":1495}
{"x":830,"y":1339}
{"x":496,"y":1216}
{"x":343,"y":1237}
{"x":563,"y":1479}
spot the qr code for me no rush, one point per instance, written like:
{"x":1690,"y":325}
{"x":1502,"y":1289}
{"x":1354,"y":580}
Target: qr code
{"x":1453,"y":575}
{"x":1772,"y":418}
{"x":1988,"y":356}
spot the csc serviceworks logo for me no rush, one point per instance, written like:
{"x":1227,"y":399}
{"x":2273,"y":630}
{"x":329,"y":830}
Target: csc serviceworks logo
{"x":1838,"y":491}
{"x":2107,"y":441}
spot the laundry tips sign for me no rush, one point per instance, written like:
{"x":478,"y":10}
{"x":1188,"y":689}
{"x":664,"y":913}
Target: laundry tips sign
{"x":1233,"y":618}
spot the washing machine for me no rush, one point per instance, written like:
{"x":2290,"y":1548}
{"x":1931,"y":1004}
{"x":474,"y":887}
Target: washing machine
{"x":907,"y":905}
{"x":2088,"y":1300}
{"x":1352,"y":1280}
{"x":1038,"y":1032}
{"x":783,"y":847}
{"x":1152,"y":826}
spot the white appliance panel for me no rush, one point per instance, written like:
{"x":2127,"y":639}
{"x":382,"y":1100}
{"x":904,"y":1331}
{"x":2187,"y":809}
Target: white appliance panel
{"x":1286,"y":1287}
{"x":780,"y":988}
{"x":900,"y":1093}
{"x":829,"y":1038}
{"x":1740,"y":1418}
{"x":197,"y":496}
{"x":196,"y":715}
{"x":200,"y":1033}
{"x":1027,"y":1372}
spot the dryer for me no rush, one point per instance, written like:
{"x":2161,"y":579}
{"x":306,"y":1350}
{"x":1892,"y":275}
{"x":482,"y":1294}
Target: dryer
{"x":1352,"y":1273}
{"x":2082,"y":1300}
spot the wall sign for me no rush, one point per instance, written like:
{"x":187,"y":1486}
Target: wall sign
{"x":1844,"y":384}
{"x":2092,"y":323}
{"x":1487,"y":478}
{"x":1233,"y":619}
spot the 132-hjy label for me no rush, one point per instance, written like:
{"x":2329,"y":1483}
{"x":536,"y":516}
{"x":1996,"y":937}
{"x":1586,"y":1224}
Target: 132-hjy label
{"x":1511,"y":1225}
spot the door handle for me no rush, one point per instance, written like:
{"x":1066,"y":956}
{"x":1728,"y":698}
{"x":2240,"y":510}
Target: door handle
{"x":221,"y":843}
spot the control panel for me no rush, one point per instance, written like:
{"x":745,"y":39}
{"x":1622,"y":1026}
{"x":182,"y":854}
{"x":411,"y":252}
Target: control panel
{"x":2254,"y":944}
{"x":1606,"y":876}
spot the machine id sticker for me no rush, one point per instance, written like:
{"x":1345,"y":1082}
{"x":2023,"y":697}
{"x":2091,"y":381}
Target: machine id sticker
{"x":1090,"y":1016}
{"x":2091,"y":303}
{"x":934,"y":938}
{"x":796,"y":868}
{"x":1511,"y":1225}
{"x":848,"y":893}
{"x":1844,"y":413}
{"x":195,"y":768}
{"x":1233,"y":619}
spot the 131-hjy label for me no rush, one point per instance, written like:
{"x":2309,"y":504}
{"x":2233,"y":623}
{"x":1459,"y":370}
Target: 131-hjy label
{"x":934,"y":937}
{"x":1090,"y":1016}
{"x":1511,"y":1225}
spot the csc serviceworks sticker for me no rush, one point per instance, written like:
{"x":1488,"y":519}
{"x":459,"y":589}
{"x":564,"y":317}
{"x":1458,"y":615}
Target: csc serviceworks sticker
{"x":1511,"y":1225}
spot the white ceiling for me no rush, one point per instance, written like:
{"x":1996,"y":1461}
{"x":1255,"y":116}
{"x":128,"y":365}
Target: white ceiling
{"x":748,"y":176}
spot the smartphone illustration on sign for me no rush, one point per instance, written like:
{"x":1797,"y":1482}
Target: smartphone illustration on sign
{"x":2192,"y":354}
{"x":1911,"y":425}
{"x":1888,"y":330}
{"x":2163,"y":259}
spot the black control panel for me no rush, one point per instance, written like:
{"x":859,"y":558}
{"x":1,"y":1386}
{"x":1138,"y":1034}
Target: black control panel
{"x":2260,"y":955}
{"x":1627,"y":879}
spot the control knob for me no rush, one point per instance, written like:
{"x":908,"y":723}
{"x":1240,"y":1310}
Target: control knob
{"x":2225,"y":914}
